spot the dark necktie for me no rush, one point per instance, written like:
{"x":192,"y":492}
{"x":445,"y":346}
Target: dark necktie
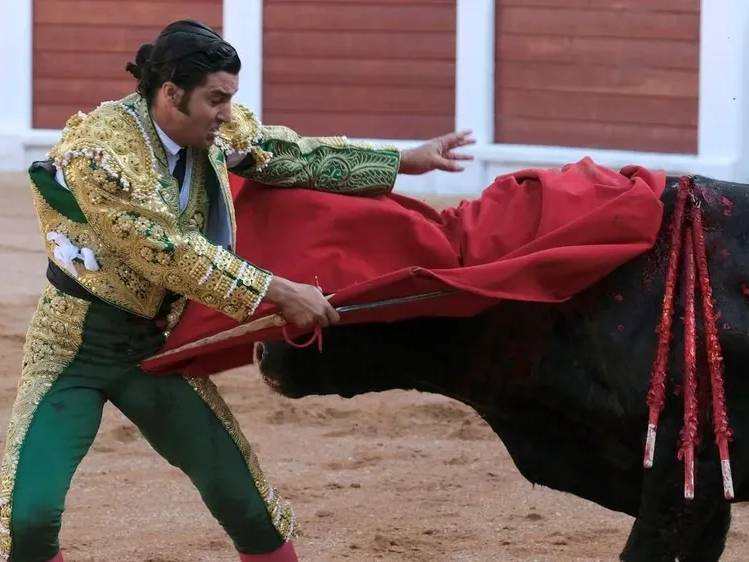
{"x":179,"y":169}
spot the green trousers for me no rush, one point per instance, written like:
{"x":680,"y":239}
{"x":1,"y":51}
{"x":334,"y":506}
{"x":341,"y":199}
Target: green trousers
{"x":78,"y":355}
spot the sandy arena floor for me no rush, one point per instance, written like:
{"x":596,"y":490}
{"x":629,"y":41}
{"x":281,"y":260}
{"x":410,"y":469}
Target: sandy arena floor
{"x":395,"y":476}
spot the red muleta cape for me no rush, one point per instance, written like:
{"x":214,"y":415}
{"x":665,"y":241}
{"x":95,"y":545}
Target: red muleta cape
{"x":533,"y":235}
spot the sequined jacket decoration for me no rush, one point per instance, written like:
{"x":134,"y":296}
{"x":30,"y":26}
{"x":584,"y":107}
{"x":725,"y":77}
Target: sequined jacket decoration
{"x":122,"y":212}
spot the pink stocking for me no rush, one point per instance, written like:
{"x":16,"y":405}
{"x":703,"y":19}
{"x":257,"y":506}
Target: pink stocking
{"x":285,"y":553}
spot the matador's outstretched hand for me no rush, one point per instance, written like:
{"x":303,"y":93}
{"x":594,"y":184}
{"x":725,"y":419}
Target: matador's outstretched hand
{"x":437,"y":154}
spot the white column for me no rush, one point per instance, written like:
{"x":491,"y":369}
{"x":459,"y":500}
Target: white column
{"x":243,"y":28}
{"x":16,"y":94}
{"x":724,"y":88}
{"x":474,"y":68}
{"x":474,"y":93}
{"x":16,"y":52}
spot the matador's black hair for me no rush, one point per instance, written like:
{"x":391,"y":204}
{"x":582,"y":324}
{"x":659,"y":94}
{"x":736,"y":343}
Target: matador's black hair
{"x":185,"y":52}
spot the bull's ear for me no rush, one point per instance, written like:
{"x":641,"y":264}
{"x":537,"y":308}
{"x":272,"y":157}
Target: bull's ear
{"x":257,"y":352}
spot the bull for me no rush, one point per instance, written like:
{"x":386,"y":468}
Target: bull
{"x":564,"y":385}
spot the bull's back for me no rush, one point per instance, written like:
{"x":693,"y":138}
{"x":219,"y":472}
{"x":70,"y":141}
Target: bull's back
{"x":587,"y":363}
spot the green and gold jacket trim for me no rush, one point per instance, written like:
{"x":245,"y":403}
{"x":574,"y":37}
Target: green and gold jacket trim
{"x":285,"y":159}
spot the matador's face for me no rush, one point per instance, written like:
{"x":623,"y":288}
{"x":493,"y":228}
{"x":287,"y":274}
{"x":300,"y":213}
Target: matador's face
{"x":207,"y":107}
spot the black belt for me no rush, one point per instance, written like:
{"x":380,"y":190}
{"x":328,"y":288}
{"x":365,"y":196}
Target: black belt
{"x":63,"y":282}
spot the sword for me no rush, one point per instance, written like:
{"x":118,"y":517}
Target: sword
{"x":394,"y":301}
{"x":276,"y":321}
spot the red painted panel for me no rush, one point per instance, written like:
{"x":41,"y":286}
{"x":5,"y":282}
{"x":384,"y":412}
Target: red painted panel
{"x":362,"y":68}
{"x":618,"y":74}
{"x":81,"y":48}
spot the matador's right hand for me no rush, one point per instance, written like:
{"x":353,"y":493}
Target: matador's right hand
{"x":301,"y":305}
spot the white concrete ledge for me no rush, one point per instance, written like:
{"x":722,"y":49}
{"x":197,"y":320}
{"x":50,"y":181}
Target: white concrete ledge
{"x":491,"y":160}
{"x":17,"y":151}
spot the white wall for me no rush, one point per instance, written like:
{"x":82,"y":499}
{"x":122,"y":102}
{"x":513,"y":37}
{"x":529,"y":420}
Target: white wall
{"x":15,"y":95}
{"x":723,"y":144}
{"x":723,"y":137}
{"x":243,"y":28}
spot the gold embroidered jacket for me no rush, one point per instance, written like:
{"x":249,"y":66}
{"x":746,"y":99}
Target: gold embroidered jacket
{"x":121,"y":220}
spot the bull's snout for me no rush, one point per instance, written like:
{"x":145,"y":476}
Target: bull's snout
{"x":261,"y":361}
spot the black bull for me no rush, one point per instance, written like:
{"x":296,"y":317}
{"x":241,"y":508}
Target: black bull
{"x":564,"y":385}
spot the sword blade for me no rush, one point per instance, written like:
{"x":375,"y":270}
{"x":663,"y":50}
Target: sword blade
{"x":394,"y":301}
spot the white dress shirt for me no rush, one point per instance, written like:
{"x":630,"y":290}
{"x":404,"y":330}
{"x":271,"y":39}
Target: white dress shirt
{"x":172,"y":155}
